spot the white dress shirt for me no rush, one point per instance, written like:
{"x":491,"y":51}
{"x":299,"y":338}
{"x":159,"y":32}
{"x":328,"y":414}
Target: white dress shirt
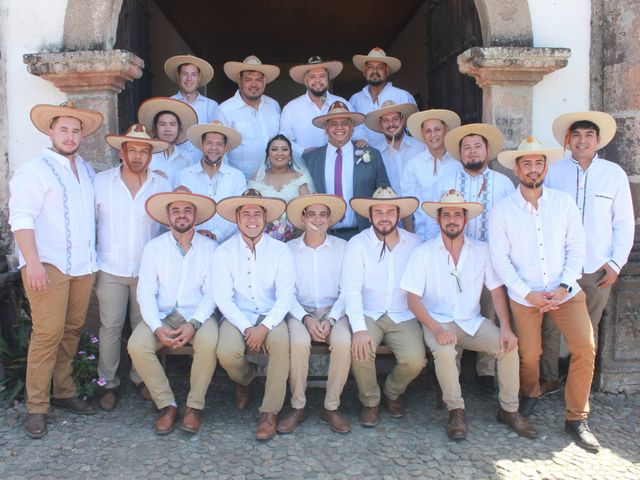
{"x":48,"y":198}
{"x":432,"y":275}
{"x":123,"y":226}
{"x":257,"y":127}
{"x":173,"y":164}
{"x":348,"y":164}
{"x":370,"y":285}
{"x":170,"y":282}
{"x":603,"y":197}
{"x":318,"y":276}
{"x":419,"y":176}
{"x":249,"y":285}
{"x":207,"y":111}
{"x":227,"y":182}
{"x":396,"y":158}
{"x":537,"y":249}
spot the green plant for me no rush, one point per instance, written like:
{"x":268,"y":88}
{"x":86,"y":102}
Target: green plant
{"x":85,"y":367}
{"x":14,"y":360}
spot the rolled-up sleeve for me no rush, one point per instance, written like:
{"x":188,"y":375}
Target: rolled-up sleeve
{"x":27,"y":199}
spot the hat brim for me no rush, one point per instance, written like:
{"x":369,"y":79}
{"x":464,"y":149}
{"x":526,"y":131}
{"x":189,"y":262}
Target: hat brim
{"x":195,"y":133}
{"x":116,"y":141}
{"x":172,"y":64}
{"x":152,"y":106}
{"x":42,"y":115}
{"x":372,"y":119}
{"x":407,"y":205}
{"x":508,"y":158}
{"x":415,"y":121}
{"x":605,"y":122}
{"x":232,"y":70}
{"x":492,"y":134}
{"x":336,"y":204}
{"x":156,"y":206}
{"x":473,"y":208}
{"x":393,"y":63}
{"x":297,"y":73}
{"x":321,"y":121}
{"x":275,"y":207}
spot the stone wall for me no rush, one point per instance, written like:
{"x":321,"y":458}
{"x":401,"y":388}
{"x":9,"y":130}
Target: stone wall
{"x":6,"y":239}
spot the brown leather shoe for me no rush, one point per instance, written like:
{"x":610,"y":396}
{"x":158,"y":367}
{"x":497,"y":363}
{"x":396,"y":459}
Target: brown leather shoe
{"x":243,"y":395}
{"x":394,"y":407}
{"x":517,"y":423}
{"x":290,"y":422}
{"x":337,"y":422}
{"x":457,"y":428}
{"x":191,"y":420}
{"x":369,"y":416}
{"x":266,"y":426}
{"x":108,"y":401}
{"x":167,"y":420}
{"x":73,"y":404}
{"x":36,"y":425}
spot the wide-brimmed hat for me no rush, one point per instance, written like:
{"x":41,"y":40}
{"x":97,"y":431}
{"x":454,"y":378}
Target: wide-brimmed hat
{"x":195,"y":133}
{"x":372,"y":119}
{"x":336,"y":204}
{"x":297,"y":73}
{"x":415,"y":121}
{"x":377,"y":55}
{"x":489,"y":132}
{"x":43,"y":114}
{"x":384,"y":196}
{"x":275,"y":207}
{"x":152,"y":106}
{"x":156,"y":205}
{"x":530,"y":146}
{"x":605,"y":122}
{"x":136,"y":133}
{"x":338,"y":110}
{"x":452,"y":198}
{"x":172,"y":64}
{"x":251,"y":63}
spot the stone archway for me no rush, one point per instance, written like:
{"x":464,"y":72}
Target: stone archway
{"x":505,"y":23}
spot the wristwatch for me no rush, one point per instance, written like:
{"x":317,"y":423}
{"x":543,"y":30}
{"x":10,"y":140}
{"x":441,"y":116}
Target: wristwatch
{"x":566,"y":287}
{"x":196,"y":324}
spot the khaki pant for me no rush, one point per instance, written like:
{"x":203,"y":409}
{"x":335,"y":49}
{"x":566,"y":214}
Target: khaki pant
{"x":114,"y":294}
{"x":231,"y":355}
{"x":486,"y":339}
{"x":572,"y":319}
{"x":405,"y":341}
{"x":57,"y":316}
{"x":143,"y":345}
{"x":486,"y":362}
{"x":339,"y":341}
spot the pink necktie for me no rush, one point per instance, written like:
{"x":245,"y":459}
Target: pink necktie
{"x":337,"y":176}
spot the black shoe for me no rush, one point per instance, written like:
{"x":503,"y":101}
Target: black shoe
{"x":527,"y":404}
{"x":583,"y":437}
{"x":487,"y":383}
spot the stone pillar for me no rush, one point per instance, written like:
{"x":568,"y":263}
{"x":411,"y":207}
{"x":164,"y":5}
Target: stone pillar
{"x":92,"y":79}
{"x":6,"y":238}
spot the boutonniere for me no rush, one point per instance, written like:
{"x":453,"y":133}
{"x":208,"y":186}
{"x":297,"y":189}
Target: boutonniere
{"x":363,"y":155}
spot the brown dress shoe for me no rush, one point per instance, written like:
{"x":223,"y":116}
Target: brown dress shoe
{"x":266,"y":426}
{"x":73,"y":404}
{"x":290,"y":422}
{"x":457,"y":428}
{"x":191,"y":420}
{"x":369,"y":416}
{"x":167,"y":420}
{"x":517,"y":422}
{"x":36,"y":425}
{"x":394,"y":407}
{"x":108,"y":401}
{"x":243,"y":395}
{"x":337,"y":422}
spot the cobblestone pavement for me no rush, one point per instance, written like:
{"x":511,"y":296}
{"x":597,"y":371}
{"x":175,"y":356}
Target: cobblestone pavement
{"x":122,"y":444}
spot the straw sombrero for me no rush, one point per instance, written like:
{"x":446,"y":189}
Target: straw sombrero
{"x":172,"y":64}
{"x":384,"y":196}
{"x":372,"y":119}
{"x":251,"y":63}
{"x":195,"y":133}
{"x":136,"y":133}
{"x":297,"y":73}
{"x":452,"y":198}
{"x":529,"y":146}
{"x":275,"y":207}
{"x":377,"y":55}
{"x":43,"y":114}
{"x":492,"y":134}
{"x":152,"y":106}
{"x":338,"y":110}
{"x":605,"y":122}
{"x":414,"y":124}
{"x":336,"y":204}
{"x":156,"y":205}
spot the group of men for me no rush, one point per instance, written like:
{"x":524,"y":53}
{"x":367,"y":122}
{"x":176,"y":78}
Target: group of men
{"x":184,"y":250}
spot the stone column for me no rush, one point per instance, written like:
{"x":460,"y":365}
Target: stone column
{"x":6,"y":238}
{"x":92,"y":79}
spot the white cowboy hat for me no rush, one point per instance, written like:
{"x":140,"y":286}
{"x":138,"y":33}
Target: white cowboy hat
{"x":384,"y":196}
{"x":414,"y":124}
{"x":43,"y":114}
{"x":275,"y":207}
{"x":377,"y":55}
{"x":152,"y":106}
{"x":156,"y":205}
{"x":605,"y":122}
{"x":172,"y":64}
{"x":372,"y":119}
{"x":136,"y":133}
{"x":336,"y":205}
{"x":530,"y":146}
{"x":297,"y":73}
{"x":489,"y":132}
{"x":195,"y":133}
{"x":452,"y":198}
{"x":251,"y":63}
{"x":338,"y":110}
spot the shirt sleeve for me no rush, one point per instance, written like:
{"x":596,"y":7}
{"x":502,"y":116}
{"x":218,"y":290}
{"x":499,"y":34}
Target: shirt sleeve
{"x":286,"y":128}
{"x":408,"y":184}
{"x":575,"y":245}
{"x":285,"y":288}
{"x":212,"y":111}
{"x":623,"y":224}
{"x":351,"y":284}
{"x":414,"y":278}
{"x":207,"y":305}
{"x":27,"y":199}
{"x":147,"y":289}
{"x":491,"y":278}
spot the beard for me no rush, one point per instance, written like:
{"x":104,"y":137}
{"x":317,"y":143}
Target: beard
{"x":532,"y":184}
{"x":210,"y":162}
{"x":181,"y":229}
{"x":375,"y":82}
{"x":64,"y":150}
{"x":452,"y":235}
{"x":385,"y":231}
{"x":318,"y":93}
{"x":475,"y":166}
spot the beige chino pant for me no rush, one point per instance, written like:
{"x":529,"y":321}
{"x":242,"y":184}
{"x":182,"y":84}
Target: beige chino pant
{"x":485,"y":361}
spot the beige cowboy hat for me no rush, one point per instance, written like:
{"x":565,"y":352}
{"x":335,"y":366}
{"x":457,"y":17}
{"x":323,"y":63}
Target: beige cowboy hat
{"x":275,"y":207}
{"x":452,"y":198}
{"x":136,"y":133}
{"x":152,"y":106}
{"x":338,"y":110}
{"x":251,"y":63}
{"x":156,"y":205}
{"x":414,"y":124}
{"x":172,"y":64}
{"x":336,"y":204}
{"x":605,"y":122}
{"x":195,"y":133}
{"x":297,"y":73}
{"x":377,"y":55}
{"x":43,"y":114}
{"x":492,"y":134}
{"x":385,"y":196}
{"x":372,"y":119}
{"x":530,"y":146}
